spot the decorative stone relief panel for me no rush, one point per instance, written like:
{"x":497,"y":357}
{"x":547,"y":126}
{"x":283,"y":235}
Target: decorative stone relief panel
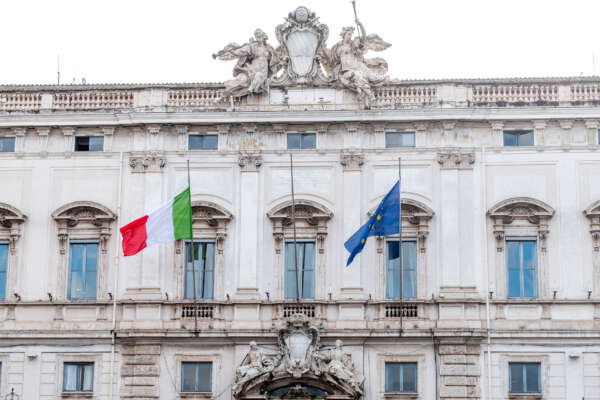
{"x":311,"y":223}
{"x":352,"y":161}
{"x":147,"y":161}
{"x":82,"y":220}
{"x":209,"y":222}
{"x":249,"y":162}
{"x":456,"y":159}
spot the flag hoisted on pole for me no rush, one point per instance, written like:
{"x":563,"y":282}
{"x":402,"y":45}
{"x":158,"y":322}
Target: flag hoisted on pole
{"x":384,"y":222}
{"x":172,"y":221}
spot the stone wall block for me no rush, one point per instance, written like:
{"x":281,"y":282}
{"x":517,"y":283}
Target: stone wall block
{"x":453,"y":392}
{"x":142,"y":359}
{"x":139,"y":391}
{"x":139,"y":370}
{"x":454,"y":359}
{"x":452,"y":349}
{"x":131,"y":350}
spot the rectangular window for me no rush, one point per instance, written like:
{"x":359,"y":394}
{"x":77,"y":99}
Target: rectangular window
{"x":409,"y":269}
{"x":83,"y":271}
{"x":3,"y":268}
{"x":518,"y":138}
{"x":525,"y":377}
{"x":200,"y":261}
{"x":401,"y":377}
{"x":196,"y":377}
{"x":7,"y":144}
{"x":521,"y":263}
{"x":301,"y":141}
{"x":399,"y":139}
{"x":89,"y":143}
{"x":78,"y":377}
{"x":203,"y":142}
{"x":306,"y":270}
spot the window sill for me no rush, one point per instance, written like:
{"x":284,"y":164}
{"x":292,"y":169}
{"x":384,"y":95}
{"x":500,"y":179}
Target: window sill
{"x":77,"y":394}
{"x":525,"y":396}
{"x":195,"y":395}
{"x":401,"y":395}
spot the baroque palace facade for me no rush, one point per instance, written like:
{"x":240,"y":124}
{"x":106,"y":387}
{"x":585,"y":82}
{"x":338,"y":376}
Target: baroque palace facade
{"x":500,"y":244}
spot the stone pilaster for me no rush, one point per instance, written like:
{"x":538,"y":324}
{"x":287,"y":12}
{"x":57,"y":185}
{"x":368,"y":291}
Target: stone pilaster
{"x":459,"y":370}
{"x":592,"y":126}
{"x":19,"y":140}
{"x":249,"y":227}
{"x":69,"y":133}
{"x":108,"y":132}
{"x":140,"y":371}
{"x":497,"y":133}
{"x":182,"y":134}
{"x":538,"y":131}
{"x":43,"y":134}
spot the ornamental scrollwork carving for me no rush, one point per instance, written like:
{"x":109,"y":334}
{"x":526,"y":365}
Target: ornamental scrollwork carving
{"x":147,"y":162}
{"x":249,"y":162}
{"x":352,"y":161}
{"x":455,"y":159}
{"x":88,"y":219}
{"x":11,"y":221}
{"x":311,"y":221}
{"x":593,"y":214}
{"x":300,"y":362}
{"x":534,"y":212}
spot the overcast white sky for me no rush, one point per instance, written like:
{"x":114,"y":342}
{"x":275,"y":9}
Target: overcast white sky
{"x":148,"y":41}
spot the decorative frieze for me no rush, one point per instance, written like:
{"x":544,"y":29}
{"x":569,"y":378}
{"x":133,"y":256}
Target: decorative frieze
{"x":147,"y":162}
{"x":456,"y":159}
{"x":352,"y":161}
{"x":249,"y":162}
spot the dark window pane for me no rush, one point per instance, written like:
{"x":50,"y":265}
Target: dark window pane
{"x":200,"y":260}
{"x":526,"y":139}
{"x":83,"y":271}
{"x":515,"y":371}
{"x":196,"y":377}
{"x":306,"y":270}
{"x":3,"y":268}
{"x":511,"y":139}
{"x":399,"y":139}
{"x":203,"y":142}
{"x":89,"y":143}
{"x":293,"y":141}
{"x":7,"y":144}
{"x":521,"y":262}
{"x":301,"y":141}
{"x":518,"y":138}
{"x":309,"y":141}
{"x":532,"y":377}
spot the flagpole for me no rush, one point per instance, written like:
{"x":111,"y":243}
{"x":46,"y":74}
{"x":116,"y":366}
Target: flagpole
{"x":294,"y":228}
{"x":400,"y":240}
{"x":191,"y":258}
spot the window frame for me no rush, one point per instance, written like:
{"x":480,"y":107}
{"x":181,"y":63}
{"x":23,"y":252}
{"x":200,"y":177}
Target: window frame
{"x":400,"y":133}
{"x":519,"y":133}
{"x":185,"y":262}
{"x":415,"y":285}
{"x":14,"y":144}
{"x":523,"y":364}
{"x":302,"y":135}
{"x":314,"y":270}
{"x":70,"y":265}
{"x":198,"y":356}
{"x":191,"y":135}
{"x":522,"y":239}
{"x":6,"y":268}
{"x":89,"y":137}
{"x":210,"y":380}
{"x":80,"y":388}
{"x":402,"y":392}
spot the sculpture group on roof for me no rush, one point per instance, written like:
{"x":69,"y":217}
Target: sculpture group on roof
{"x":302,"y":58}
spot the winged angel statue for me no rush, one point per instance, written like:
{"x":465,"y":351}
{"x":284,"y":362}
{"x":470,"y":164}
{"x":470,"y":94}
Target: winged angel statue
{"x":346,"y":64}
{"x":257,"y":63}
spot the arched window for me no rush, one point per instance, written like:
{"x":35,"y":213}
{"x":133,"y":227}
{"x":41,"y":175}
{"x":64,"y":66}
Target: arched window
{"x":83,"y":232}
{"x":203,"y":257}
{"x":521,"y":226}
{"x":311,"y":232}
{"x":415,"y":229}
{"x":11,"y":221}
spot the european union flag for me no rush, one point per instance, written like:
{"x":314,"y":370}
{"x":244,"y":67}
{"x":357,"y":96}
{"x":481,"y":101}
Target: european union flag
{"x":384,"y":222}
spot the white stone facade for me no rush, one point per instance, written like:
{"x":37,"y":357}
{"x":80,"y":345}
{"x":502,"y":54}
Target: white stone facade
{"x":468,"y":194}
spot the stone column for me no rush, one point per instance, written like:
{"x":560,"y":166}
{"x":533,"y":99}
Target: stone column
{"x":353,"y":217}
{"x":140,"y":371}
{"x":459,"y":370}
{"x":249,"y":225}
{"x":458,"y":274}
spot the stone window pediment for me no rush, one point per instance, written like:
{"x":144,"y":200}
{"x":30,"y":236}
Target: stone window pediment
{"x":415,"y":221}
{"x":87,"y":218}
{"x":593,"y":214}
{"x":210,"y":220}
{"x":11,"y":220}
{"x":521,"y":211}
{"x":311,"y":221}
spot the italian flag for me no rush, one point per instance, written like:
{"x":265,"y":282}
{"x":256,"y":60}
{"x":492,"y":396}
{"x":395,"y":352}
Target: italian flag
{"x":170,"y":222}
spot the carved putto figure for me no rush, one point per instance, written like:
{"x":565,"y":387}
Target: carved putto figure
{"x":346,"y":63}
{"x":257,"y":63}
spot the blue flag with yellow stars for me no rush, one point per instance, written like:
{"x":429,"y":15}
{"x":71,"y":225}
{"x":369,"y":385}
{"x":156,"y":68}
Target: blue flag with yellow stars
{"x":384,"y":222}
